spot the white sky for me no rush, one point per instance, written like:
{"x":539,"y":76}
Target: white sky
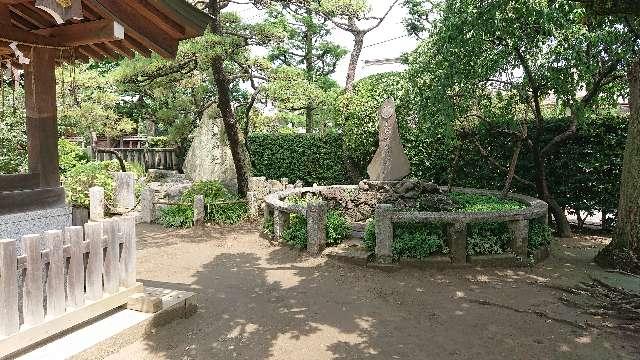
{"x":378,"y":43}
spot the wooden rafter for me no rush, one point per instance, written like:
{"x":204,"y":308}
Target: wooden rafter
{"x":138,"y":27}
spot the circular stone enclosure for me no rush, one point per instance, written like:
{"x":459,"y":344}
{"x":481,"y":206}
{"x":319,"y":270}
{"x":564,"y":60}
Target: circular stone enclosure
{"x":370,"y":198}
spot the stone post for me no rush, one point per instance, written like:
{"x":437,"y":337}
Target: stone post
{"x":125,"y":197}
{"x":384,"y":233}
{"x":316,"y":227}
{"x":147,"y":208}
{"x":519,"y":230}
{"x":254,"y":204}
{"x":280,"y":223}
{"x":198,"y":210}
{"x":96,"y":203}
{"x":457,"y":241}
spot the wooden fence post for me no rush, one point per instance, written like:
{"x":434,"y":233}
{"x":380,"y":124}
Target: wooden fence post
{"x":112,"y":257}
{"x":127,"y":227}
{"x":33,"y":297}
{"x":55,"y":279}
{"x":93,"y":235}
{"x":9,"y":288}
{"x":75,"y":280}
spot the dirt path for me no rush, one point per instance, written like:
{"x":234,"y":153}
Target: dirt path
{"x":262,"y":302}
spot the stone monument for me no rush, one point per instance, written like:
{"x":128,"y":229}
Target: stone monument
{"x":209,"y":157}
{"x":390,"y":163}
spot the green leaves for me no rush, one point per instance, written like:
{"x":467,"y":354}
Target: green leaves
{"x":310,"y":158}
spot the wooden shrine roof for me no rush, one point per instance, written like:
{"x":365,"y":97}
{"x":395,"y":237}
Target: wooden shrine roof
{"x":109,"y":29}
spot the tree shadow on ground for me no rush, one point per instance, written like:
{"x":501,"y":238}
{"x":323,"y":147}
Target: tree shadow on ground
{"x":261,"y":302}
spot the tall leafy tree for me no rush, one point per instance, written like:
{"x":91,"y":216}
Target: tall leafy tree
{"x":624,"y":250}
{"x":306,"y":48}
{"x":354,"y":17}
{"x":532,"y":48}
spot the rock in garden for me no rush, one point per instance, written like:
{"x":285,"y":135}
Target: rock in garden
{"x":390,"y":161}
{"x":209,"y":157}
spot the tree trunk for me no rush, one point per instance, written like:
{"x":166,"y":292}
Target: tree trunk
{"x":358,"y":43}
{"x":236,"y":141}
{"x":562,"y":223}
{"x":627,"y":232}
{"x":309,"y":69}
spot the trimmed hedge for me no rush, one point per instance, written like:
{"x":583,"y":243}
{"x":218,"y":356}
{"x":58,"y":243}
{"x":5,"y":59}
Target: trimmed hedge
{"x":584,"y":174}
{"x":312,"y":158}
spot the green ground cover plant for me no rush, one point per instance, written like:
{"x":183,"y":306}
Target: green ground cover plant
{"x":418,"y":241}
{"x":221,"y":206}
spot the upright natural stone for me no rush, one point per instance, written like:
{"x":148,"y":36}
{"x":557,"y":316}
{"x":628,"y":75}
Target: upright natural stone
{"x":384,"y":234}
{"x":209,"y":157}
{"x":146,"y":206}
{"x":390,"y":162}
{"x":316,"y":227}
{"x":198,"y":210}
{"x":96,"y":203}
{"x":125,"y":196}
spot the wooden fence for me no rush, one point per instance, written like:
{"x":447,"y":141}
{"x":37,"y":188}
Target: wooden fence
{"x":63,"y":279}
{"x":151,"y":158}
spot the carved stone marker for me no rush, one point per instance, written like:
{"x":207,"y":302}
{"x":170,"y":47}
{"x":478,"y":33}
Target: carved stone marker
{"x":96,"y":203}
{"x":390,"y":163}
{"x":198,"y":210}
{"x":125,"y":197}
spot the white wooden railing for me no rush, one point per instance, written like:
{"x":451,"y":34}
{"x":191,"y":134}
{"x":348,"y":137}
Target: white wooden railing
{"x":69,"y":277}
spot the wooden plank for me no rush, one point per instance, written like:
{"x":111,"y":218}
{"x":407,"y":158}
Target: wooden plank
{"x":33,"y":311}
{"x":30,"y":200}
{"x":75,"y":280}
{"x":93,"y":235}
{"x":112,"y":257}
{"x":28,"y":337}
{"x":127,"y":227}
{"x":55,"y":277}
{"x":16,"y":182}
{"x":9,"y":284}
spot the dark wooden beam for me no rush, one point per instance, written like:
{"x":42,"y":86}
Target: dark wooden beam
{"x":85,"y":33}
{"x":67,"y":36}
{"x":41,"y":111}
{"x":17,"y":182}
{"x":15,"y":202}
{"x":138,"y":27}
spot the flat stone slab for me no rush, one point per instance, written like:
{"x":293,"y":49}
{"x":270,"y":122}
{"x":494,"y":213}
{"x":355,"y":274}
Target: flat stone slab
{"x":108,"y":334}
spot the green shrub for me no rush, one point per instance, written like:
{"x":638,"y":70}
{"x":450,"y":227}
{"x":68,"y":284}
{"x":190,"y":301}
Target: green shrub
{"x":176,"y":216}
{"x":158,"y":142}
{"x":70,"y":155}
{"x":310,"y":158}
{"x":483,"y":203}
{"x":488,"y":238}
{"x":221,"y":205}
{"x":295,"y":234}
{"x":369,"y":238}
{"x":418,"y":241}
{"x":540,"y":234}
{"x":267,"y":225}
{"x":78,"y":180}
{"x":338,"y":228}
{"x":414,"y":241}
